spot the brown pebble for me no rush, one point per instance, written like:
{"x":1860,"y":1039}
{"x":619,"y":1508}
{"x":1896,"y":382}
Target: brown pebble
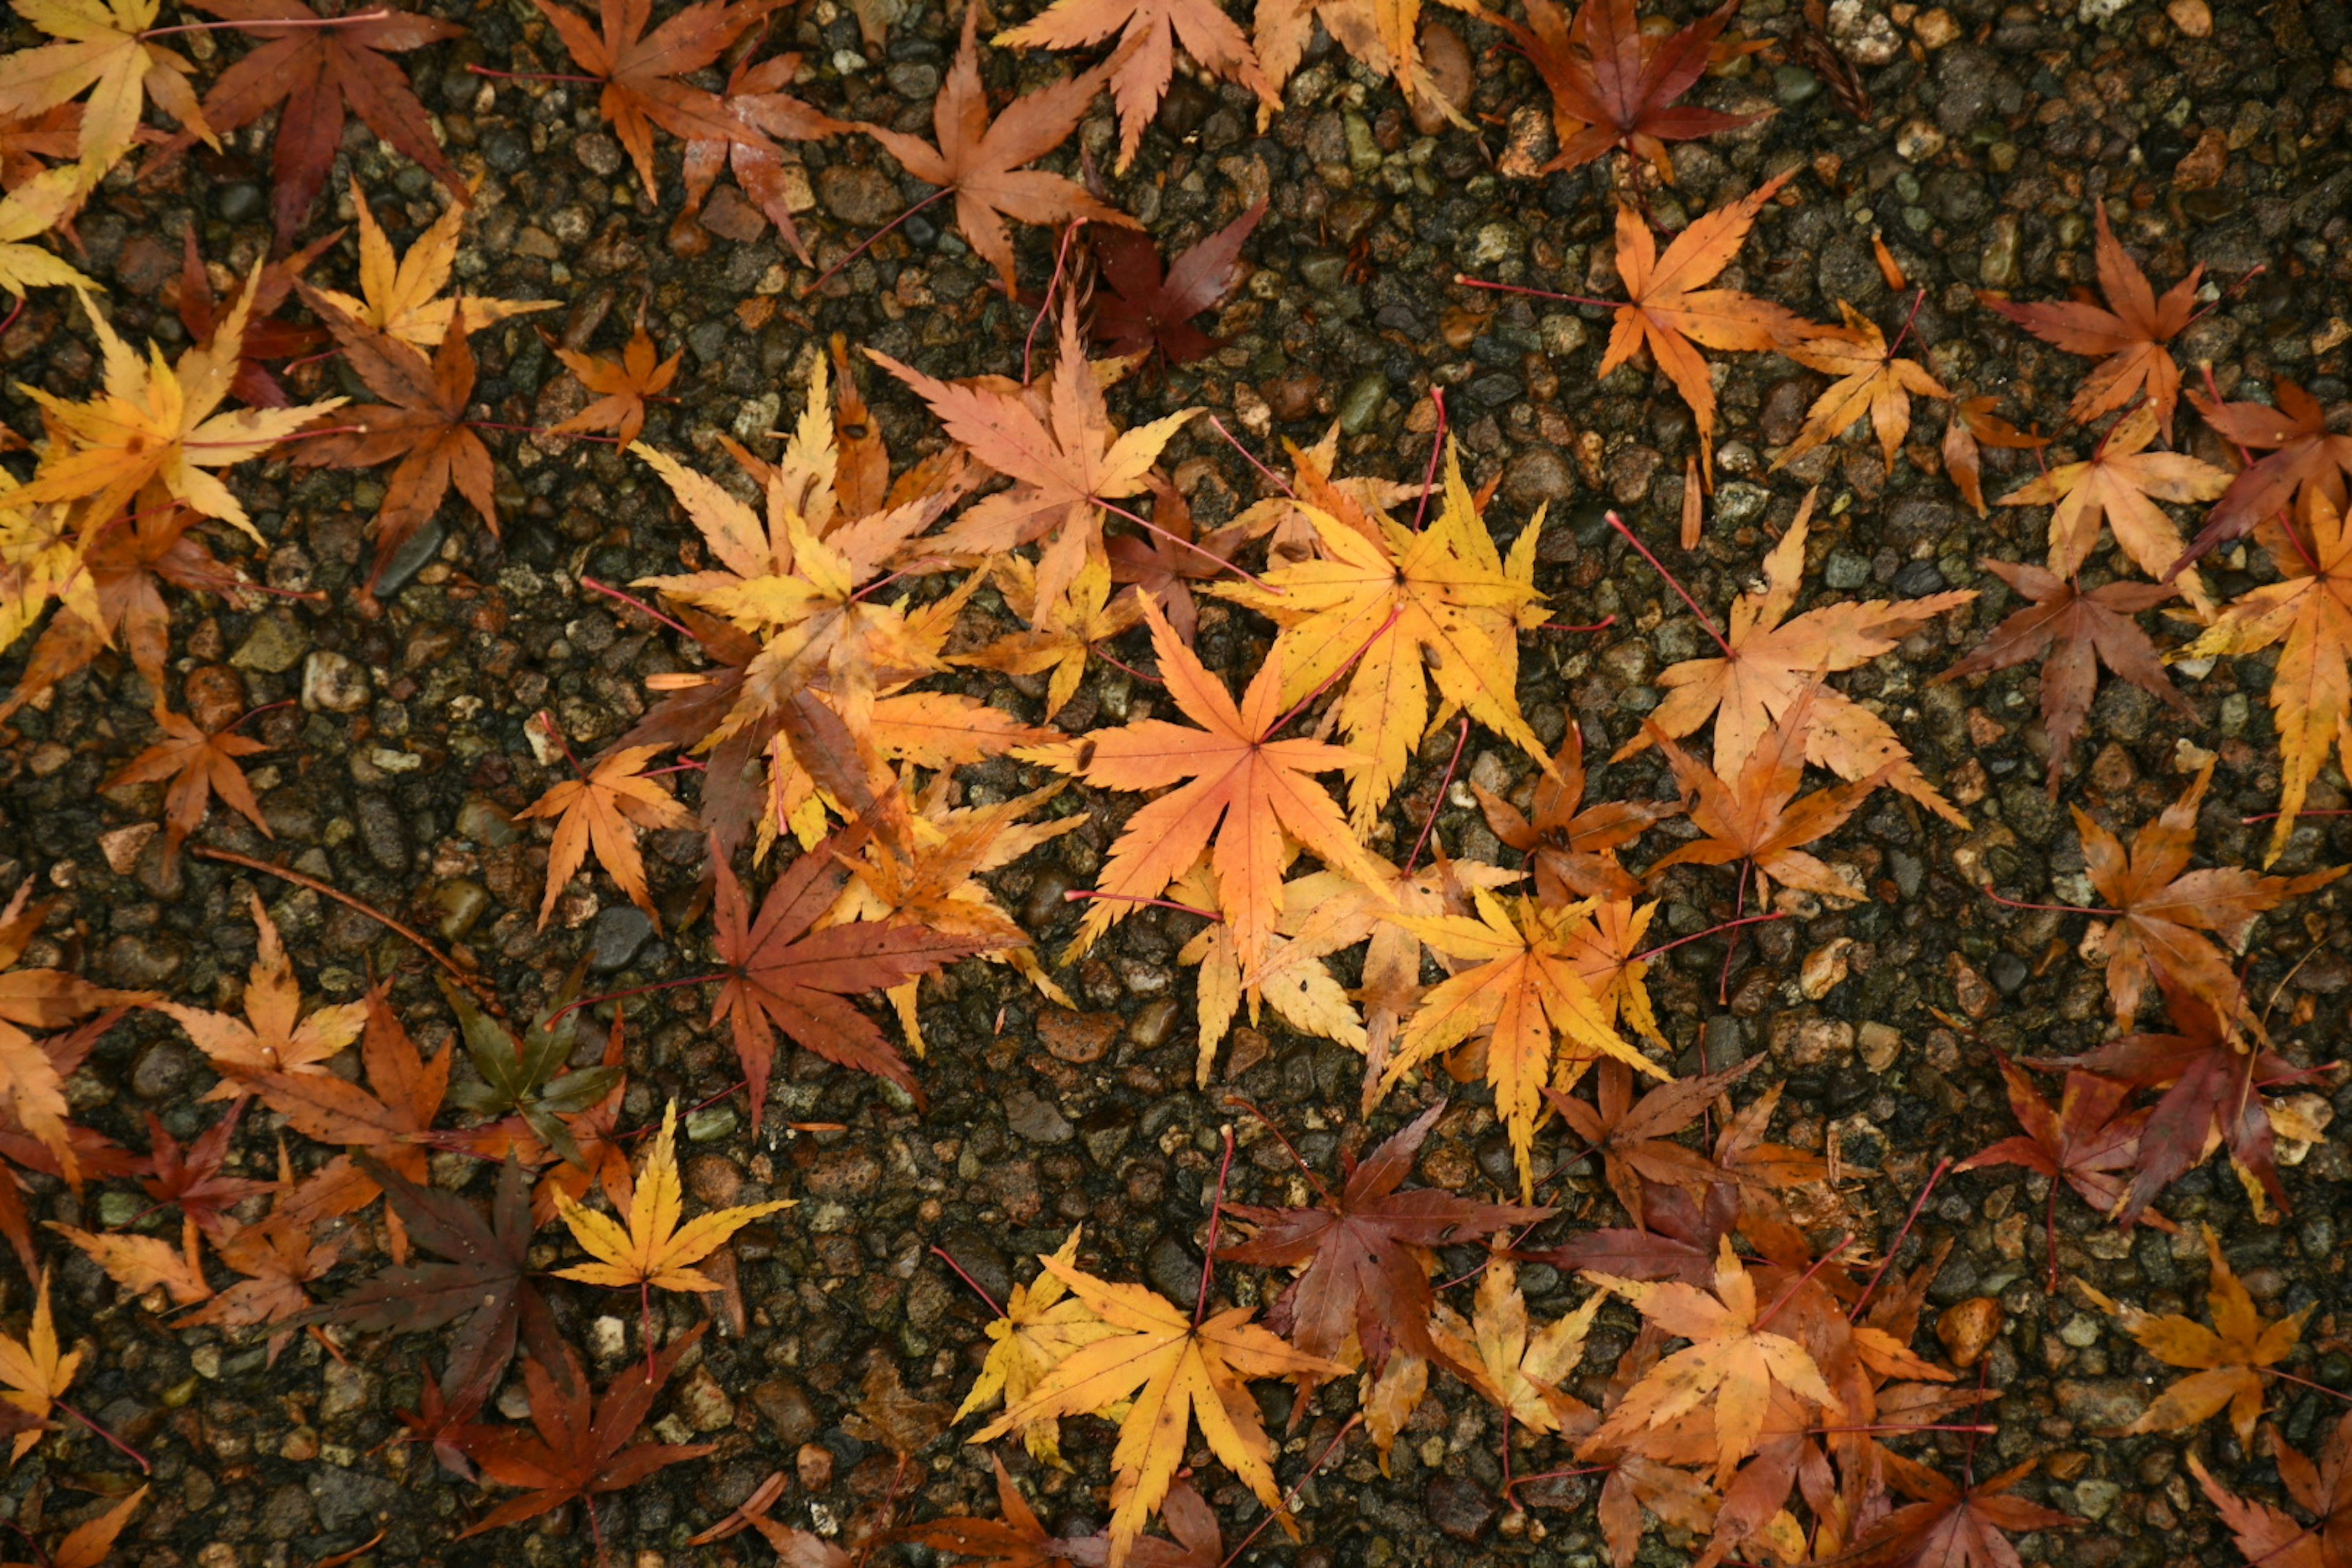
{"x":713,"y":1179}
{"x":1292,"y":396}
{"x":215,"y":696}
{"x":687,"y":238}
{"x":1965,"y":1329}
{"x":815,"y":1465}
{"x":1079,"y":1038}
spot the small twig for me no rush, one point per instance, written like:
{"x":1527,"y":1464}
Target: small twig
{"x":1295,"y":1158}
{"x":1292,"y":1495}
{"x":637,"y":605}
{"x":1672,"y":582}
{"x":473,"y":982}
{"x":868,"y":242}
{"x":1219,"y":426}
{"x":1712,"y":931}
{"x":2053,"y":909}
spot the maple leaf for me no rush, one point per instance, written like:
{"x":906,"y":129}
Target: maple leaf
{"x":606,"y":811}
{"x":1668,"y":310}
{"x":274,"y":1036}
{"x":1245,"y":788}
{"x":1365,"y":1254}
{"x":1756,"y":817}
{"x":1165,"y":564}
{"x":1062,"y":633}
{"x":2081,"y":1140}
{"x":2268,"y":1535}
{"x":199,"y":765}
{"x":446,"y":1423}
{"x":154,"y":422}
{"x":90,"y":1543}
{"x":1305,"y":994}
{"x":33,"y":1072}
{"x":1042,"y":1324}
{"x":33,"y":209}
{"x":125,"y":569}
{"x":2209,"y":1078}
{"x":278,"y":1256}
{"x":1632,"y":1136}
{"x":638,"y":69}
{"x":423,"y":422}
{"x":1870,"y":381}
{"x":782,"y":974}
{"x":190,"y":1177}
{"x":653,"y":1251}
{"x":755,"y":96}
{"x":266,"y":337}
{"x":1771,"y":662}
{"x":2073,"y":633}
{"x":25,"y":140}
{"x":2303,"y":457}
{"x":1517,"y":981}
{"x":2121,"y":482}
{"x":1388,"y":609}
{"x":2128,"y":338}
{"x":2307,"y":614}
{"x":1173,"y":1371}
{"x":484,"y":1279}
{"x":1508,"y":1360}
{"x":1140,"y":309}
{"x":1730,"y":1365}
{"x":530,"y":1076}
{"x":102,"y":46}
{"x":143,"y":1263}
{"x":1144,"y":61}
{"x":1949,"y":1526}
{"x":1970,"y":426}
{"x":400,"y":297}
{"x":317,"y":74}
{"x":980,"y":161}
{"x":1570,"y":846}
{"x":2227,"y":1358}
{"x":1383,"y":33}
{"x":1615,"y":83}
{"x":2162,"y":906}
{"x":1067,"y":465}
{"x":622,"y":385}
{"x":577,"y":1452}
{"x":36,"y":1370}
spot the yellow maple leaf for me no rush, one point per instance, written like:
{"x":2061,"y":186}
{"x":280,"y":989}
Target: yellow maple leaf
{"x":35,"y":1370}
{"x":606,"y":812}
{"x":35,"y":207}
{"x":1511,"y":1362}
{"x":1042,"y":1324}
{"x":100,"y":46}
{"x":654,"y":1250}
{"x":155,"y":421}
{"x":1407,"y":608}
{"x":1061,"y":634}
{"x":1296,"y":981}
{"x":2227,"y":1359}
{"x":401,"y":296}
{"x":1178,"y":1371}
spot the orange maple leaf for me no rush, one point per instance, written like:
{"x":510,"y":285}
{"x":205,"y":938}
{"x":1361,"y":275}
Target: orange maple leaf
{"x":982,"y":162}
{"x":606,"y":810}
{"x":1145,"y":61}
{"x":2121,"y":482}
{"x":2226,"y":1361}
{"x":273,"y":1036}
{"x":199,"y":764}
{"x":2162,"y":906}
{"x":2129,"y":338}
{"x":35,"y":1369}
{"x":639,"y":71}
{"x":1245,"y":788}
{"x":1668,"y":310}
{"x":622,"y":385}
{"x":1870,"y":381}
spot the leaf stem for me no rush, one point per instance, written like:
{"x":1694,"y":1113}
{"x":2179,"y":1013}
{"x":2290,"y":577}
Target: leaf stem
{"x":1436,"y":445}
{"x":547,"y":722}
{"x":1122,"y":664}
{"x":1076,"y":895}
{"x":943,"y":1255}
{"x":1061,"y":257}
{"x":1672,"y":582}
{"x":1295,"y":1158}
{"x":1916,"y":301}
{"x":639,"y":605}
{"x":13,"y":311}
{"x":535,"y":75}
{"x":473,"y":982}
{"x":1818,"y":1264}
{"x":1160,"y":533}
{"x":136,"y":1456}
{"x":1645,"y":956}
{"x":255,"y":25}
{"x":2053,"y":909}
{"x":1854,"y":1313}
{"x":1428,"y":823}
{"x":1469,"y":282}
{"x":1602,"y":625}
{"x":1209,"y":1253}
{"x":541,"y":430}
{"x":1297,"y":1487}
{"x":574,"y":1006}
{"x":1219,"y":426}
{"x":1333,"y":679}
{"x":866,"y":243}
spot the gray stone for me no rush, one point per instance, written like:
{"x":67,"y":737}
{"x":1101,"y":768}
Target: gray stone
{"x":1036,"y":1120}
{"x":383,"y":832}
{"x":275,"y":645}
{"x":345,"y":1497}
{"x":161,"y":1071}
{"x":619,"y":931}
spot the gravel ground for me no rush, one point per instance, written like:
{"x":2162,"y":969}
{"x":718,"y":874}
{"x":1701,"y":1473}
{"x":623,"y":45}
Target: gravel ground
{"x":2214,"y":137}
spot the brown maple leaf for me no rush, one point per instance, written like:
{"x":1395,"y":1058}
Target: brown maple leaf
{"x":2087,"y":1139}
{"x":606,"y":810}
{"x":2226,"y":1362}
{"x":2128,"y":338}
{"x":2304,"y":456}
{"x":199,"y":764}
{"x":423,"y":422}
{"x":189,"y":1177}
{"x":1166,"y":563}
{"x":275,"y":1036}
{"x":1870,"y":381}
{"x":1570,"y":846}
{"x":755,"y":95}
{"x":2161,"y":908}
{"x":1067,"y":463}
{"x":2269,"y":1536}
{"x":1365,"y":1253}
{"x":31,"y":142}
{"x":639,"y":69}
{"x":1670,"y":312}
{"x":1141,"y":309}
{"x":315,"y":75}
{"x":622,"y":385}
{"x":784,"y":975}
{"x":279,"y":1257}
{"x":1949,"y":1526}
{"x":1755,"y":816}
{"x":2073,"y":633}
{"x":1970,"y":426}
{"x":981,"y":160}
{"x":2121,"y":482}
{"x":1770,"y":661}
{"x":1615,"y":81}
{"x":1144,"y":61}
{"x":1632,"y":1136}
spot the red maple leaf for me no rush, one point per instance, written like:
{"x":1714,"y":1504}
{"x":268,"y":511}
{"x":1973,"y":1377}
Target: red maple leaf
{"x":2303,"y":452}
{"x":1951,"y":1525}
{"x":1145,"y":308}
{"x":190,"y":1176}
{"x":1614,"y":85}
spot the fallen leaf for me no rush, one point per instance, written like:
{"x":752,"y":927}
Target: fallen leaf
{"x":606,"y":810}
{"x":1614,"y":81}
{"x":2087,"y":1139}
{"x":655,"y":1249}
{"x":143,"y":1263}
{"x":1063,"y":633}
{"x":1144,"y":60}
{"x":639,"y":71}
{"x":1510,"y":1361}
{"x":621,"y":386}
{"x":31,"y":210}
{"x":1572,"y":847}
{"x":755,"y":96}
{"x":1139,"y":309}
{"x":2305,"y":456}
{"x":1950,"y":1526}
{"x":102,"y":45}
{"x":189,"y":1177}
{"x":1042,"y":1324}
{"x":1384,"y":35}
{"x":273,"y":1036}
{"x":2268,"y":1535}
{"x":35,"y":1369}
{"x":1972,"y":424}
{"x":90,"y":1543}
{"x":1870,"y":381}
{"x":2227,"y":1359}
{"x":2121,"y":482}
{"x":1632,"y":1136}
{"x":401,"y":297}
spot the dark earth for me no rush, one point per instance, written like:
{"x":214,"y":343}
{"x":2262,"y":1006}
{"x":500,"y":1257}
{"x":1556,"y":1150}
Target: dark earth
{"x":2214,"y":137}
